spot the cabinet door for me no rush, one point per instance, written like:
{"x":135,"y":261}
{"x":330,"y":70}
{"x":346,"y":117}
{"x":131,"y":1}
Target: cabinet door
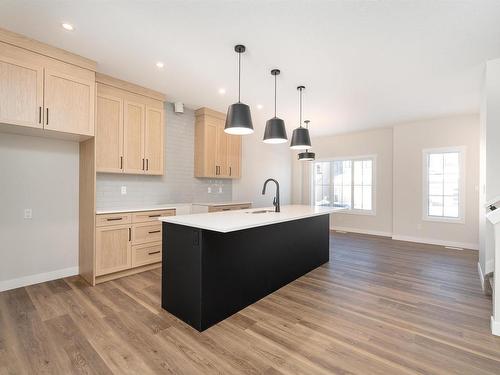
{"x":210,"y":150}
{"x":69,"y":103}
{"x":234,"y":156}
{"x":113,"y":249}
{"x":21,"y":90}
{"x":133,"y":138}
{"x":109,"y":133}
{"x":222,"y":148}
{"x":153,"y":141}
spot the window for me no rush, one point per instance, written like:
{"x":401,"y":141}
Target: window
{"x":345,"y":183}
{"x":443,"y":184}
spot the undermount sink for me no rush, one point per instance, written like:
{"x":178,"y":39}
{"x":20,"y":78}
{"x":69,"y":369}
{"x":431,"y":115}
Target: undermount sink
{"x":259,"y":212}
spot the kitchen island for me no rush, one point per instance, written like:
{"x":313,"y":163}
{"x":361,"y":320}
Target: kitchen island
{"x":216,"y":264}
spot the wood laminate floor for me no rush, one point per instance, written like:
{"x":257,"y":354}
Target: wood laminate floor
{"x":379,"y":307}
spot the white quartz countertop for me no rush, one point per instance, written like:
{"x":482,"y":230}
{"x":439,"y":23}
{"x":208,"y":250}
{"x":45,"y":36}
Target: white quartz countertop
{"x":212,"y":204}
{"x":229,"y":221}
{"x":167,"y":206}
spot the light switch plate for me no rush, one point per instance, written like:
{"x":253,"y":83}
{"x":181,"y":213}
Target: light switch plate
{"x":124,"y":190}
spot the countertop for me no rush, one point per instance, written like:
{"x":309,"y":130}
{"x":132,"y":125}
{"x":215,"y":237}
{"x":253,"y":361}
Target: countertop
{"x":167,"y":206}
{"x":212,"y":204}
{"x":229,"y":221}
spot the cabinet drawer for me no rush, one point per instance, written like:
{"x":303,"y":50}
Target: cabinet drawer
{"x":145,"y":232}
{"x":112,"y":219}
{"x":228,"y":207}
{"x":146,"y":254}
{"x":150,"y":216}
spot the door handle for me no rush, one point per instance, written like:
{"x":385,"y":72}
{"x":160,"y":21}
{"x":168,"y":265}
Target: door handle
{"x":39,"y":115}
{"x":47,"y":119}
{"x":129,"y":234}
{"x":121,"y":162}
{"x":147,"y":164}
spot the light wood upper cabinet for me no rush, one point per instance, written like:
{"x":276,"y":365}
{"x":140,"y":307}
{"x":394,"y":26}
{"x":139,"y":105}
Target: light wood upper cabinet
{"x":21,"y":89}
{"x":133,"y":138}
{"x":41,"y":92}
{"x":153,"y":141}
{"x":109,"y":133}
{"x":234,"y":156}
{"x":217,"y":154}
{"x":69,"y":103}
{"x":130,"y":130}
{"x":113,"y":249}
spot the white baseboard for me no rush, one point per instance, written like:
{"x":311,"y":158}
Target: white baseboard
{"x":481,"y":275}
{"x":495,"y":327}
{"x":362,"y":231}
{"x":431,"y":241}
{"x":38,"y":278}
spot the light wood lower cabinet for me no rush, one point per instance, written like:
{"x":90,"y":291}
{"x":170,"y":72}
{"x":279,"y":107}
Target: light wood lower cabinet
{"x":232,"y":207}
{"x":113,"y":249}
{"x":127,"y":242}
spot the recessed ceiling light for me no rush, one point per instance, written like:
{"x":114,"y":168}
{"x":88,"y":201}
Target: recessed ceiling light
{"x":260,"y":106}
{"x":67,"y":26}
{"x":222,"y":91}
{"x":160,"y":65}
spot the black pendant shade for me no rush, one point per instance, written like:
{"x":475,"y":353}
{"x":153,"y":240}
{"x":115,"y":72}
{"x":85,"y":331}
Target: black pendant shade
{"x":300,"y":139}
{"x":300,"y":136}
{"x":306,"y":156}
{"x":275,"y":131}
{"x":239,"y":119}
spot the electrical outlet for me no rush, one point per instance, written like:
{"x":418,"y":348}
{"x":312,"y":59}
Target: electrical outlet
{"x":124,"y":190}
{"x":220,"y":189}
{"x":28,"y":213}
{"x":209,"y":190}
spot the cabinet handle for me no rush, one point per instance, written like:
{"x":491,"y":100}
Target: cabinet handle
{"x":158,"y":215}
{"x":114,"y":218}
{"x":147,"y":164}
{"x":129,"y":234}
{"x":154,"y":231}
{"x":47,"y":122}
{"x":226,"y":209}
{"x":121,"y":162}
{"x":39,"y":115}
{"x":230,"y":171}
{"x":154,"y":252}
{"x":142,"y":164}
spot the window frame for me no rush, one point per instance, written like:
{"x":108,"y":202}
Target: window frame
{"x":461,"y":184}
{"x":350,"y":211}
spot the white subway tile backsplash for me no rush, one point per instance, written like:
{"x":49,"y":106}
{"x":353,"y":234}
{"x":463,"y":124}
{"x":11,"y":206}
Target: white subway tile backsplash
{"x":177,"y":185}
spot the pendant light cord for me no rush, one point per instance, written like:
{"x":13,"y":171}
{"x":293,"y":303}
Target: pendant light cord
{"x":239,"y":77}
{"x":274,"y":95}
{"x":300,"y":105}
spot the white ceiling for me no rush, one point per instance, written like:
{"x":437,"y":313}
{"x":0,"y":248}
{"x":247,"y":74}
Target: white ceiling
{"x":364,"y":63}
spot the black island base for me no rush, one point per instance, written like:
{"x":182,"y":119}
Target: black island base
{"x":207,"y":276}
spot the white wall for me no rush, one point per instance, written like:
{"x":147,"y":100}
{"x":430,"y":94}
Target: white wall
{"x":490,"y":158}
{"x":41,"y":174}
{"x":399,"y":200}
{"x":409,"y":141}
{"x":374,"y":142}
{"x":261,"y":161}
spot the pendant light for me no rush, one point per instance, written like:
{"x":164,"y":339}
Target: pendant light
{"x":239,"y":119}
{"x":306,"y":155}
{"x":300,"y":136}
{"x":275,"y":128}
